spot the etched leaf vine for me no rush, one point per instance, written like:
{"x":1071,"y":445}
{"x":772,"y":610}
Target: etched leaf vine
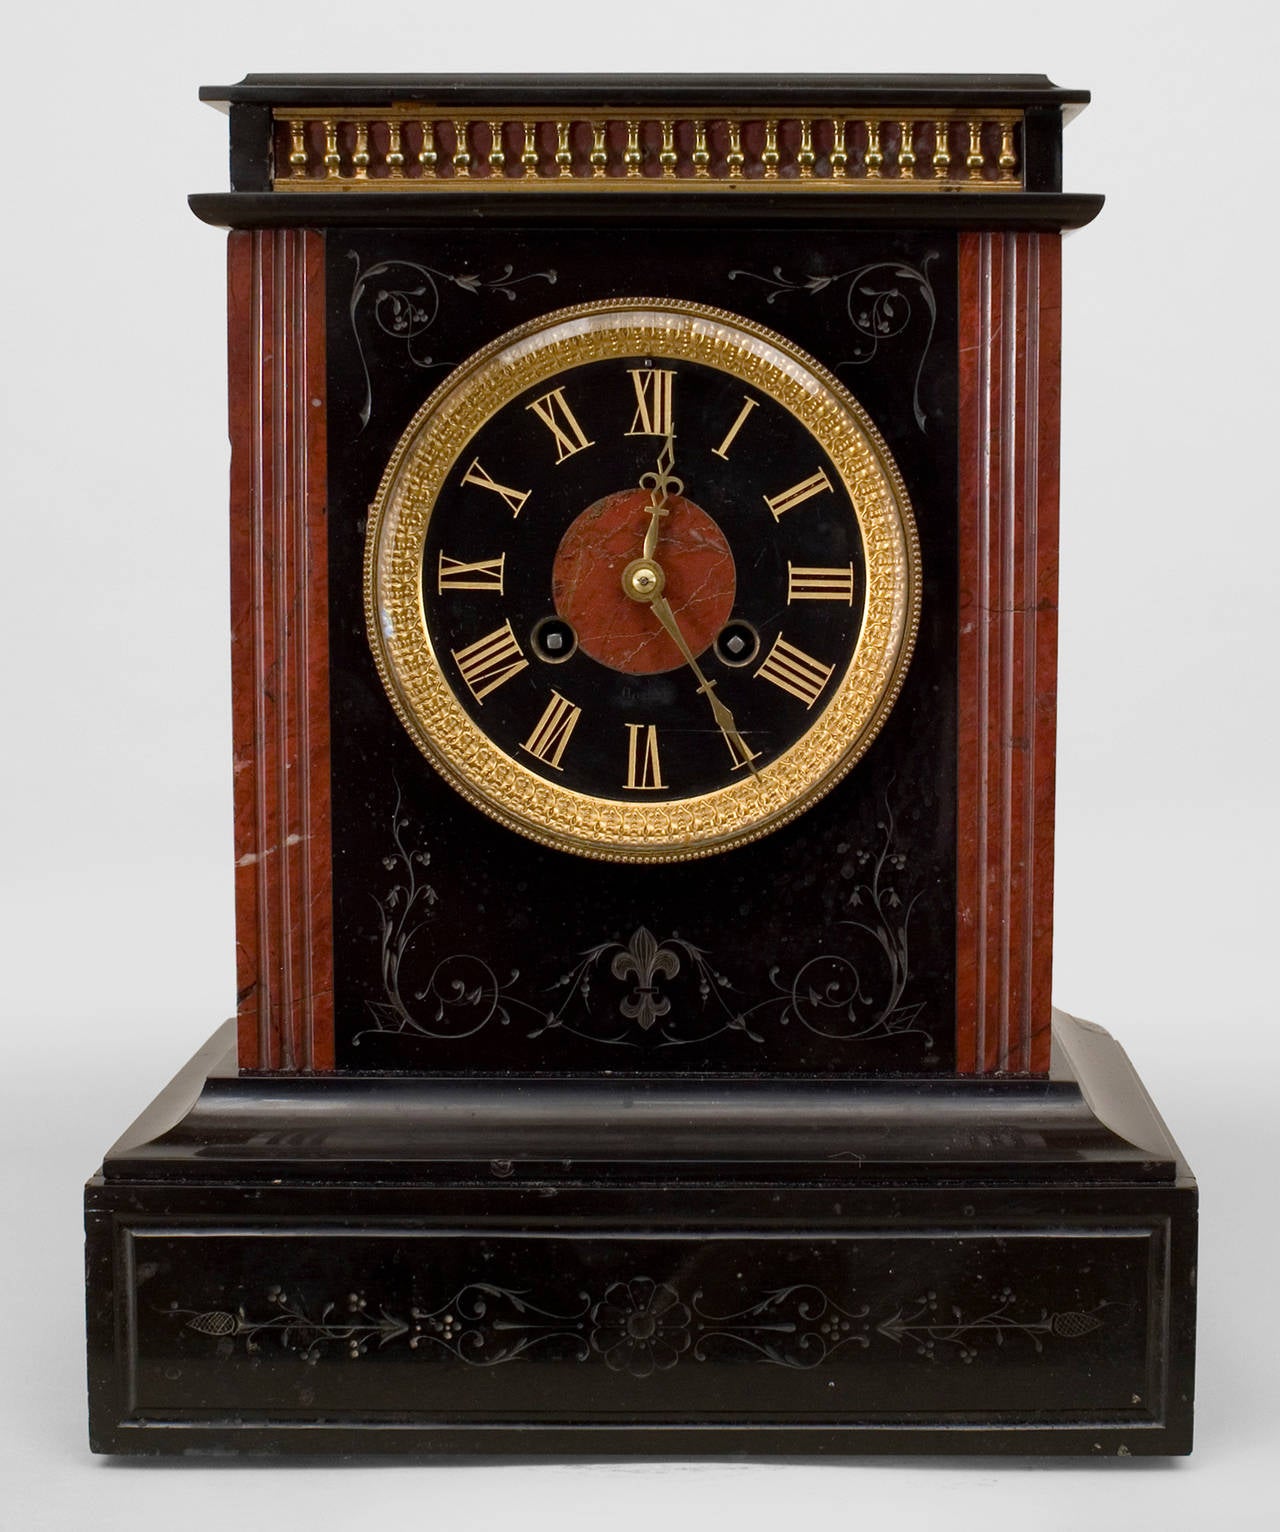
{"x":403,"y":300}
{"x":637,"y":1325}
{"x":830,"y":994}
{"x":877,"y":302}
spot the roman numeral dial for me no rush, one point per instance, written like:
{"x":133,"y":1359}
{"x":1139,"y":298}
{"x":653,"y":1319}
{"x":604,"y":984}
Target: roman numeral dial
{"x":642,"y":559}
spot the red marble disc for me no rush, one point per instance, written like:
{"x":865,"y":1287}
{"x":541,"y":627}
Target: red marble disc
{"x":587,"y":582}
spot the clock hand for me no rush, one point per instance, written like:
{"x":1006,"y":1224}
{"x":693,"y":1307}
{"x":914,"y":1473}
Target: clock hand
{"x":661,"y":486}
{"x":743,"y":756}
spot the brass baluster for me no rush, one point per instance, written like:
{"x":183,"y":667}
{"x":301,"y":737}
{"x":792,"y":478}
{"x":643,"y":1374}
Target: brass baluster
{"x":360,"y":159}
{"x":332,"y":159}
{"x":769,"y":159}
{"x":599,"y":149}
{"x":529,"y":153}
{"x":427,"y":155}
{"x":941,"y":150}
{"x":667,"y":158}
{"x":564,"y":155}
{"x":298,"y":154}
{"x":839,"y":154}
{"x":974,"y":159}
{"x":461,"y":148}
{"x":701,"y":154}
{"x":907,"y":150}
{"x":1008,"y":160}
{"x":735,"y":157}
{"x":873,"y":159}
{"x":497,"y":155}
{"x":632,"y":158}
{"x":805,"y":155}
{"x":395,"y":150}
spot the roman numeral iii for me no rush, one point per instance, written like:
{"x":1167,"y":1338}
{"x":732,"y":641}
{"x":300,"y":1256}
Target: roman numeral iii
{"x":644,"y":768}
{"x":515,"y":498}
{"x":484,"y":575}
{"x":653,"y":402}
{"x":551,"y":732}
{"x":560,"y":420}
{"x":815,"y":484}
{"x":490,"y":661}
{"x":819,"y":583}
{"x":795,"y":671}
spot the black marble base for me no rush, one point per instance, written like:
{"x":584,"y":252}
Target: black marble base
{"x":410,"y":1265}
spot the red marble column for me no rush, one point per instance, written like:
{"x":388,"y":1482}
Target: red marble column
{"x":279,"y":650}
{"x":1010,"y":300}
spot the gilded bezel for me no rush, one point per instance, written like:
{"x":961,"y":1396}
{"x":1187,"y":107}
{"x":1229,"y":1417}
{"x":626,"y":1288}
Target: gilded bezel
{"x":503,"y":787}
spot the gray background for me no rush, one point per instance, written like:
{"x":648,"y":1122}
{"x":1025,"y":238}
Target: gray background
{"x":115,"y":861}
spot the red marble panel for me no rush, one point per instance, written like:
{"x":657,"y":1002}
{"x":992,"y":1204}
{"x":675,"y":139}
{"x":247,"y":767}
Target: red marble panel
{"x":279,"y":650}
{"x":1010,"y":287}
{"x":587,"y":582}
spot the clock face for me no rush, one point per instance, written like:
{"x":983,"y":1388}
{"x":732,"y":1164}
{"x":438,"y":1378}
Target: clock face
{"x":642,"y":580}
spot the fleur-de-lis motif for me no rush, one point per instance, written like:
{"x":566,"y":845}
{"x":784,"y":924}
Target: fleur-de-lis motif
{"x":647,"y":960}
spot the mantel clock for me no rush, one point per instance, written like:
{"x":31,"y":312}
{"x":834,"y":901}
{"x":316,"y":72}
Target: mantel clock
{"x":644,"y":517}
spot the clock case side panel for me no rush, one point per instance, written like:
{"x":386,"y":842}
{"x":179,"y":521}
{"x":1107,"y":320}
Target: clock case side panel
{"x":280,"y":650}
{"x":1009,"y":354}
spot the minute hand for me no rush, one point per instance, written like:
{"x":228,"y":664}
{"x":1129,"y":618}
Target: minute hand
{"x":723,"y":717}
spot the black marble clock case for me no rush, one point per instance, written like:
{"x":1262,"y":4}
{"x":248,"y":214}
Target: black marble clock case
{"x":495,"y":1229}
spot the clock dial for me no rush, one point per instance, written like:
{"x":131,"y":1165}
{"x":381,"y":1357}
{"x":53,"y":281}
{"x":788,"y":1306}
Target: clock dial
{"x":642,"y":580}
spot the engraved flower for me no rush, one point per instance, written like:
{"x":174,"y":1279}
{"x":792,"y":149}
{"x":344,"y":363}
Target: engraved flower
{"x":641,"y":1327}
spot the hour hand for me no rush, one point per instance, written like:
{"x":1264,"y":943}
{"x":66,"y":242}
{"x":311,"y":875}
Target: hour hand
{"x":661,"y":485}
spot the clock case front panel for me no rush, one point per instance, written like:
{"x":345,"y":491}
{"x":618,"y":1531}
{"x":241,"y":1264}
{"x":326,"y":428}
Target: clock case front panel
{"x":827,"y":946}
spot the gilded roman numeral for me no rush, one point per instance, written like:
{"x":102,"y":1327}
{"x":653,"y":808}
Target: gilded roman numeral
{"x":560,"y":420}
{"x":486,"y":574}
{"x":490,"y":661}
{"x":654,"y":415}
{"x":515,"y":498}
{"x":740,"y":752}
{"x":819,"y":583}
{"x":815,"y":484}
{"x":795,"y":671}
{"x":551,"y":732}
{"x":644,"y":768}
{"x":723,"y":449}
